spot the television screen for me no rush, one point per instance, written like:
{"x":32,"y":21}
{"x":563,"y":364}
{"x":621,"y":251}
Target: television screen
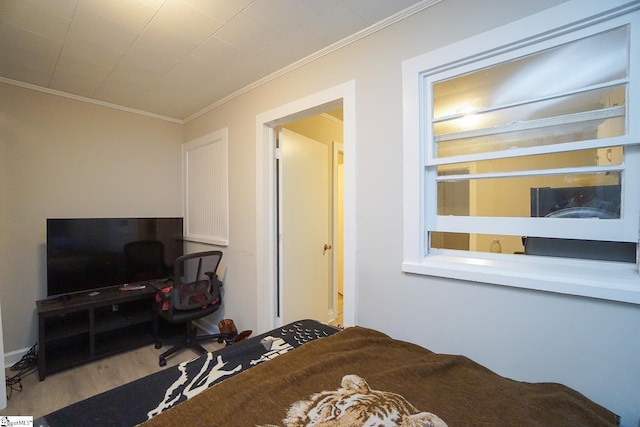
{"x":90,"y":253}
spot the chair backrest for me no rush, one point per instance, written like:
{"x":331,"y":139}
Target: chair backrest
{"x":195,"y":282}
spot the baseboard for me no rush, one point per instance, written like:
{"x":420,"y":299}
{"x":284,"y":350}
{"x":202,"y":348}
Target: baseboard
{"x":14,"y":357}
{"x":207,"y":325}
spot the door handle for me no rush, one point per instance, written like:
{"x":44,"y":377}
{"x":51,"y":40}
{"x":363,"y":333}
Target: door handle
{"x":326,"y":248}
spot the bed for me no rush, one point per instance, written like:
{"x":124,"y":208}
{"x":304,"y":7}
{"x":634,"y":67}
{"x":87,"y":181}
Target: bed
{"x":310,"y":374}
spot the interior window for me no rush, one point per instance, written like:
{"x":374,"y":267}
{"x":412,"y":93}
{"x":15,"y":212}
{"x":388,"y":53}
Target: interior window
{"x":521,"y":155}
{"x":573,"y":92}
{"x":530,"y":139}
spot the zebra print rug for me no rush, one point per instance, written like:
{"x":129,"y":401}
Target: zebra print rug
{"x":142,"y":399}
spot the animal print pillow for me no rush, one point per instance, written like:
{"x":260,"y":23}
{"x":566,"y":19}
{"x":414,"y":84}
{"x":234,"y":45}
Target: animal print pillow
{"x":356,"y":404}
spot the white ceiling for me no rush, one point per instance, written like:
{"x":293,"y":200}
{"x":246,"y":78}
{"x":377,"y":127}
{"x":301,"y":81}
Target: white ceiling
{"x":174,"y":58}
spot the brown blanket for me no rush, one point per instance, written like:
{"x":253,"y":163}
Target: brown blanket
{"x":452,"y":389}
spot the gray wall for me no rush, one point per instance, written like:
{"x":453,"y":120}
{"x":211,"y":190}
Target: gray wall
{"x":588,"y":344}
{"x":65,"y":158}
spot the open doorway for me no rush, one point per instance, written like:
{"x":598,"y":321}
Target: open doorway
{"x":310,"y":164}
{"x":342,"y":96}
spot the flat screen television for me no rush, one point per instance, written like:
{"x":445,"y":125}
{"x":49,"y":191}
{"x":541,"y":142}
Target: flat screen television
{"x":85,"y":254}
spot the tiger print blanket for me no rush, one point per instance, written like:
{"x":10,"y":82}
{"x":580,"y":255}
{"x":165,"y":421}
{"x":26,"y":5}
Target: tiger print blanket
{"x":362,"y":377}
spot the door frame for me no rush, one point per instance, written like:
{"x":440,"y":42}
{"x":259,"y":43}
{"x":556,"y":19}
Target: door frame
{"x":266,"y":239}
{"x":337,"y":148}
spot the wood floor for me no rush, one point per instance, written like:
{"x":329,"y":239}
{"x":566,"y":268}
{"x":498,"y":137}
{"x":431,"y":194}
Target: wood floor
{"x":39,"y":398}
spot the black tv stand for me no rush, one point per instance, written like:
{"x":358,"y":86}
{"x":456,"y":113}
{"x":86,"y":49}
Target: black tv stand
{"x":79,"y":328}
{"x":64,"y":298}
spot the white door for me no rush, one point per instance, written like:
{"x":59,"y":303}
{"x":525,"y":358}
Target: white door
{"x":304,"y":228}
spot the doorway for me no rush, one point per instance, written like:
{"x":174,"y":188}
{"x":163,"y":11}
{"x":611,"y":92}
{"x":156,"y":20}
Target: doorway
{"x":310,"y":218}
{"x":305,"y":288}
{"x":342,"y":96}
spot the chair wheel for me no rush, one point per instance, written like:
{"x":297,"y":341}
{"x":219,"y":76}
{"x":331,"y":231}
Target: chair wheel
{"x":163,"y":363}
{"x":158,"y":345}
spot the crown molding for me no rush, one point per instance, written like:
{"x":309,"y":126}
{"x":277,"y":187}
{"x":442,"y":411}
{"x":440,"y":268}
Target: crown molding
{"x":403,"y":14}
{"x":88,"y":100}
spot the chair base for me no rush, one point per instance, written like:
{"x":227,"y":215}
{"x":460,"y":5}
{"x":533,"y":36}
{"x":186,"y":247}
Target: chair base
{"x":191,"y":341}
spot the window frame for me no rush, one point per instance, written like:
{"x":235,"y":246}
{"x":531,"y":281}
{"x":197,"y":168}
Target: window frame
{"x":566,"y":22}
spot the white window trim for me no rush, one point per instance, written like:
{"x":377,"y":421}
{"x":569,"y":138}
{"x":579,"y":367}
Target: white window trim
{"x":597,"y":279}
{"x":206,"y":192}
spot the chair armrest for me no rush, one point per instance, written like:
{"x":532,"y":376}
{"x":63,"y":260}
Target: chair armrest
{"x":163,"y":298}
{"x":213,"y":277}
{"x":214,"y":283}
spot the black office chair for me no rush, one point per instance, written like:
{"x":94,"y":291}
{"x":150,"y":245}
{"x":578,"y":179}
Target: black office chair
{"x":195,"y":293}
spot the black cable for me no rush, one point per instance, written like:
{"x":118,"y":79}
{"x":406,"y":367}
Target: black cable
{"x":26,"y":365}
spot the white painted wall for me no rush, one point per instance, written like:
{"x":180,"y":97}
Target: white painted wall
{"x":4,"y":230}
{"x":3,"y":390}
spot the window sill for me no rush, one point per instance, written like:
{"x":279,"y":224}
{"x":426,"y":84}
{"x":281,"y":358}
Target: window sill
{"x":206,"y":240}
{"x":595,"y":279}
